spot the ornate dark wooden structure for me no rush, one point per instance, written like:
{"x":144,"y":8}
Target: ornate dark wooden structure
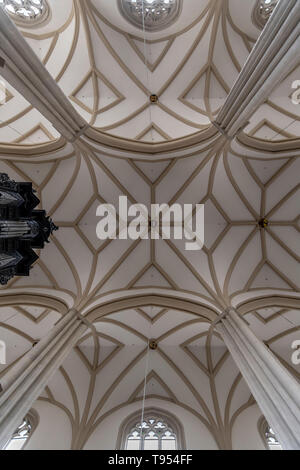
{"x":22,"y":228}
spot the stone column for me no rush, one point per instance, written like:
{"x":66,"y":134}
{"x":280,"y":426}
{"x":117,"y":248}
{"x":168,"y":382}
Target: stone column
{"x":25,"y":381}
{"x":21,"y":67}
{"x":275,"y":54}
{"x":275,"y":390}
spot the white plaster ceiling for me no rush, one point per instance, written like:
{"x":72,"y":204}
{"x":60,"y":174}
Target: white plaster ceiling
{"x":98,"y":59}
{"x":238,"y":183}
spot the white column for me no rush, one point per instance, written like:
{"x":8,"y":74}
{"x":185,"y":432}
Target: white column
{"x":274,"y":55}
{"x":20,"y":66}
{"x":25,"y":381}
{"x":275,"y":390}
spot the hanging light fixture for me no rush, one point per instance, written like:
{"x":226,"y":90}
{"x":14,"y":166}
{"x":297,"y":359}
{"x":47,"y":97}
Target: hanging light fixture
{"x":22,"y":228}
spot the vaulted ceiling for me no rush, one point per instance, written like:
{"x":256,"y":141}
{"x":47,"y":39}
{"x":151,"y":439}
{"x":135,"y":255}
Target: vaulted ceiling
{"x":108,"y":69}
{"x":136,"y":290}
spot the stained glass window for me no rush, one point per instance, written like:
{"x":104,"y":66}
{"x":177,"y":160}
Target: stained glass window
{"x":271,"y":439}
{"x":154,"y":433}
{"x":25,"y":10}
{"x":152,"y":15}
{"x":23,"y":432}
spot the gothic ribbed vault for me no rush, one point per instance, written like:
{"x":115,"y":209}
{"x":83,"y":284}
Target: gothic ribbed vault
{"x":166,"y":152}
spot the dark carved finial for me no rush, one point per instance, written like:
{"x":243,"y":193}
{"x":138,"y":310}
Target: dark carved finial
{"x":8,"y":183}
{"x":6,"y":276}
{"x":53,"y":227}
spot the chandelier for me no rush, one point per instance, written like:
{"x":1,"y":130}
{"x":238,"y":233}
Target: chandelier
{"x":22,"y":228}
{"x":26,"y":11}
{"x":151,"y":15}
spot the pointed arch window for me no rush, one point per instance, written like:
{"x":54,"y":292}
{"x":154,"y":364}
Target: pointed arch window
{"x":23,"y":432}
{"x":157,"y":431}
{"x":269,"y":437}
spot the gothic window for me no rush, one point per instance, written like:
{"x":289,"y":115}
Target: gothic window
{"x":157,"y":431}
{"x":262,"y":11}
{"x":26,"y":11}
{"x":270,"y":440}
{"x":23,"y":432}
{"x":151,"y":15}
